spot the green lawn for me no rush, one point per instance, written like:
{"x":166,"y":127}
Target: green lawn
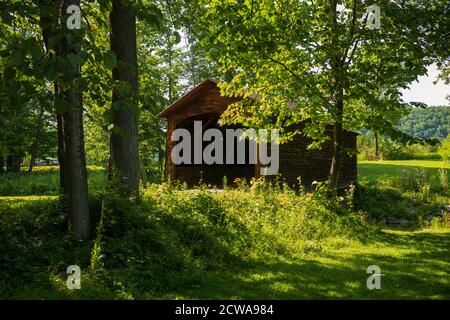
{"x":415,"y":262}
{"x":372,"y":171}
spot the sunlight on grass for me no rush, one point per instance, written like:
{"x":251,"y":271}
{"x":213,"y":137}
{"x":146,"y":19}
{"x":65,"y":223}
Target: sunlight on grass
{"x":412,"y":262}
{"x":411,"y":163}
{"x":385,"y":171}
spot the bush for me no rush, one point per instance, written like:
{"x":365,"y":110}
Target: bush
{"x":444,"y":149}
{"x":443,"y":179}
{"x":412,"y":179}
{"x":168,"y":242}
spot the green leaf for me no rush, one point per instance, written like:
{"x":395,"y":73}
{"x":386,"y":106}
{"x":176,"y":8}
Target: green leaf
{"x":75,"y":59}
{"x":6,"y":18}
{"x":18,"y":57}
{"x":110,"y":60}
{"x":50,"y":72}
{"x":54,"y":40}
{"x":124,"y":89}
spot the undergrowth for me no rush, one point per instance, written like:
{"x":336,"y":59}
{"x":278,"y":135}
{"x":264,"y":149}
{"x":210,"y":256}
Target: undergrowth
{"x":166,"y":243}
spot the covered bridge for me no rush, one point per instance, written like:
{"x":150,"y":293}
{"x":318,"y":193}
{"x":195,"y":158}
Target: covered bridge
{"x":205,"y":103}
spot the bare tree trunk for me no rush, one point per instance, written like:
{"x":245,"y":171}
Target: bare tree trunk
{"x":124,"y":141}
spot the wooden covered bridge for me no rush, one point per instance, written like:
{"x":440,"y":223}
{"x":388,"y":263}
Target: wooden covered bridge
{"x":205,"y":103}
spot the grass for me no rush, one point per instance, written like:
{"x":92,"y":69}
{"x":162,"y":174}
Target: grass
{"x":45,"y":181}
{"x":250,"y":243}
{"x":415,"y":265}
{"x":373,"y":171}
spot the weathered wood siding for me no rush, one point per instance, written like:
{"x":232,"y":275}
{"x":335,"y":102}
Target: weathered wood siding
{"x":313,"y":165}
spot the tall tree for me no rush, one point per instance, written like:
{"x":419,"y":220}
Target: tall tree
{"x":77,"y":186}
{"x":124,"y":134}
{"x":322,"y":61}
{"x":68,"y":102}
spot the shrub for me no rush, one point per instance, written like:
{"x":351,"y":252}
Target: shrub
{"x":443,"y":179}
{"x":412,"y":179}
{"x":446,"y":219}
{"x":444,"y":149}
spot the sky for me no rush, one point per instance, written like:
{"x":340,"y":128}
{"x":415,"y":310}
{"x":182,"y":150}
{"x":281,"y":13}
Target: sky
{"x":425,"y":91}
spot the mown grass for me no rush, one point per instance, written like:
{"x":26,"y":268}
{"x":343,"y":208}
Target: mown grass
{"x":383,"y":171}
{"x":415,"y":265}
{"x":247,"y":243}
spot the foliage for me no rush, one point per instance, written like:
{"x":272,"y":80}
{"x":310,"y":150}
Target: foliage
{"x":392,"y":150}
{"x":287,"y":53}
{"x":412,"y":179}
{"x":404,"y":189}
{"x":444,"y":149}
{"x":182,"y":243}
{"x":427,"y":123}
{"x":443,"y":179}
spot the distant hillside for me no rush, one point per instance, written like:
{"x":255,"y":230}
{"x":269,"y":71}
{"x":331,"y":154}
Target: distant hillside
{"x":429,"y":123}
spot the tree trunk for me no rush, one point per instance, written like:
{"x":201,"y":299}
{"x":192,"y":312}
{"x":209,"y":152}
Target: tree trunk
{"x":49,"y":23}
{"x":61,"y":151}
{"x":142,"y":171}
{"x":166,"y":148}
{"x":13,"y":162}
{"x":124,"y":141}
{"x":9,"y":160}
{"x":377,"y":155}
{"x":35,"y":144}
{"x":338,"y":96}
{"x":71,"y":153}
{"x":75,"y":158}
{"x":335,"y":168}
{"x":76,"y":166}
{"x":110,"y":164}
{"x":32,"y":160}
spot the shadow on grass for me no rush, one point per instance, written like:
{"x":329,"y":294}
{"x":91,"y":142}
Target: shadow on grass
{"x":420,"y":273}
{"x":185,"y":259}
